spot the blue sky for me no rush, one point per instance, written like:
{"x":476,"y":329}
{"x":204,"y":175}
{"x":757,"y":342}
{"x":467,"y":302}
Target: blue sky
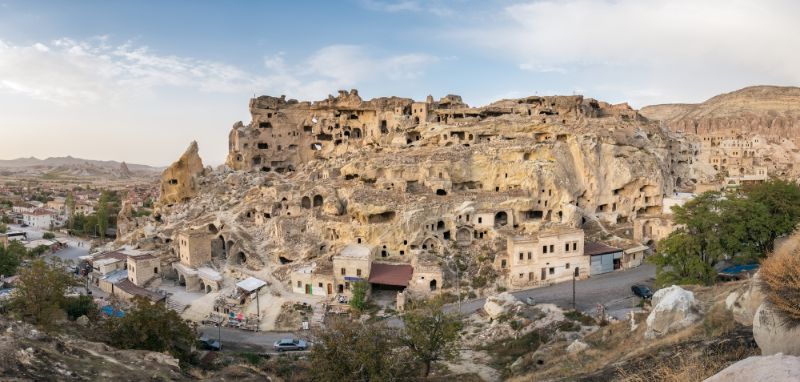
{"x":137,"y":81}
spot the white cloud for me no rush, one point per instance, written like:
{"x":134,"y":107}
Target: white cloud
{"x":676,"y":47}
{"x":67,"y":71}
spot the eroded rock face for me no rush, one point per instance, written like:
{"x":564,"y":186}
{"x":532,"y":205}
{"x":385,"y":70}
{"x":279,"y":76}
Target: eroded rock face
{"x":774,"y":368}
{"x":674,"y":308}
{"x":774,"y":334}
{"x":179,"y":182}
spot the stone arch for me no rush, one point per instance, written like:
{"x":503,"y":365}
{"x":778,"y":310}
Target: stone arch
{"x":440,"y":225}
{"x":218,"y":248}
{"x":318,"y":200}
{"x":208,"y":289}
{"x":500,"y":219}
{"x":305,"y":202}
{"x":356,"y":133}
{"x":430,"y":243}
{"x":464,"y":235}
{"x":240,"y":258}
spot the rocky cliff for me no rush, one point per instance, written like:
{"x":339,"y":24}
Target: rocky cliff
{"x":771,"y":111}
{"x":179,"y":180}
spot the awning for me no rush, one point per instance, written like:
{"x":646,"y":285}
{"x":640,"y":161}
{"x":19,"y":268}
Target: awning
{"x":638,"y":248}
{"x":250,"y":284}
{"x":592,"y":248}
{"x":390,"y":274}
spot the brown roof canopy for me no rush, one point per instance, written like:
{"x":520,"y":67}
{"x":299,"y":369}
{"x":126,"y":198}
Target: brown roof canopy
{"x":593,"y":248}
{"x":390,"y":274}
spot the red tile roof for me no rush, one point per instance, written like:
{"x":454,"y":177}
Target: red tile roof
{"x":390,"y":274}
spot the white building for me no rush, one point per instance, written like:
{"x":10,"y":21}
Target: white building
{"x":40,"y":218}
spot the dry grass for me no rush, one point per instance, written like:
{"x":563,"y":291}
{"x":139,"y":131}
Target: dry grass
{"x":780,"y":275}
{"x":686,"y":367}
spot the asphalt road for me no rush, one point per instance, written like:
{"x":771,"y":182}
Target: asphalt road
{"x":611,"y":289}
{"x":243,"y":340}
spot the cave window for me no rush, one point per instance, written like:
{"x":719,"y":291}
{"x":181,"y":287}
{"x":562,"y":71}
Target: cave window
{"x":263,"y":146}
{"x":265,"y":125}
{"x":441,"y":192}
{"x":173,"y":181}
{"x":317,"y":200}
{"x":502,"y":264}
{"x":305,"y":202}
{"x":500,"y":219}
{"x":544,"y":249}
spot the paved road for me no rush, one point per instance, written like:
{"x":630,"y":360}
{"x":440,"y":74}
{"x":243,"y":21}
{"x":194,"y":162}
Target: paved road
{"x":611,"y":289}
{"x":243,"y":340}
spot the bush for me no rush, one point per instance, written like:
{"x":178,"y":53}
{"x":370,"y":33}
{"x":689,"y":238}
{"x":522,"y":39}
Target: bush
{"x":48,"y":236}
{"x":780,"y":281}
{"x":79,"y":306}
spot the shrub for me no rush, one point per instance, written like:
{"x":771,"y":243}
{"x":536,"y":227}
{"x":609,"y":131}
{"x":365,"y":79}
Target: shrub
{"x":781,"y":281}
{"x":48,"y":236}
{"x":79,"y":306}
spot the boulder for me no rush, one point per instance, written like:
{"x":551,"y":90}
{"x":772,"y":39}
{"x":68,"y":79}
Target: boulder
{"x":498,"y":304}
{"x":744,"y":303}
{"x":577,"y":346}
{"x":82,"y":320}
{"x":773,"y":368}
{"x":163,"y":359}
{"x":774,"y":334}
{"x":674,"y":308}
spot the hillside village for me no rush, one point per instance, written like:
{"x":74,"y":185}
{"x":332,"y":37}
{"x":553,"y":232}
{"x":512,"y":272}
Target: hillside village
{"x":407,"y":201}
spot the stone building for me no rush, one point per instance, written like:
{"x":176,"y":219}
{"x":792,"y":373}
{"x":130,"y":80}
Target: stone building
{"x":552,"y":255}
{"x":313,"y":279}
{"x":143,"y":268}
{"x":194,"y":251}
{"x":352,"y":264}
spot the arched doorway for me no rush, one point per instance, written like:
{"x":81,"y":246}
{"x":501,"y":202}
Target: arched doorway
{"x":433,"y":285}
{"x":241,"y":258}
{"x":202,"y":286}
{"x":208,"y":289}
{"x":181,"y":280}
{"x":317,"y":200}
{"x":500,"y":219}
{"x":305,"y":202}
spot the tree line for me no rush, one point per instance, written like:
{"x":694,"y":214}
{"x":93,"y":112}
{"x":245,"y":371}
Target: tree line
{"x":739,"y":226}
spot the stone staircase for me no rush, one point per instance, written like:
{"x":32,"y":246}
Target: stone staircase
{"x":175,"y":305}
{"x":318,"y":318}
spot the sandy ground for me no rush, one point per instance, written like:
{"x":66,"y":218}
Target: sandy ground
{"x":471,"y":361}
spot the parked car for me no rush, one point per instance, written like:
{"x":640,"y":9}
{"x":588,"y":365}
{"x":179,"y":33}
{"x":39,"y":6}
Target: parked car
{"x":530,"y":300}
{"x":209,"y":344}
{"x":642,"y":291}
{"x":289,"y":344}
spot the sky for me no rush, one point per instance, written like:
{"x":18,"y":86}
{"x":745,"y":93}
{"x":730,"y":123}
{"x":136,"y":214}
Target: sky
{"x":137,"y":81}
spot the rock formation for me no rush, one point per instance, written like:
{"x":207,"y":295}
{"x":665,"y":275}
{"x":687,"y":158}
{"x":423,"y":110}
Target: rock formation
{"x":774,"y":333}
{"x":774,"y":368}
{"x":674,"y":308}
{"x":124,"y":172}
{"x":179,"y":182}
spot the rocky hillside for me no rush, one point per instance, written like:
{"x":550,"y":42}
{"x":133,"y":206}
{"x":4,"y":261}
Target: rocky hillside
{"x":771,"y":111}
{"x":69,"y":167}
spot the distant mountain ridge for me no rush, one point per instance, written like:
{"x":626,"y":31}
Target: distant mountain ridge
{"x":76,"y":167}
{"x":772,"y":111}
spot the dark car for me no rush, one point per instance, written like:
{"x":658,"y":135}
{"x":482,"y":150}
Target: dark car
{"x":642,"y":291}
{"x":289,"y":344}
{"x":209,"y":344}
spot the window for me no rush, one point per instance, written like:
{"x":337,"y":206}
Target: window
{"x":343,"y":271}
{"x":552,"y":270}
{"x":552,"y":248}
{"x":566,"y":247}
{"x":299,"y":284}
{"x":544,"y":249}
{"x":567,"y":266}
{"x":575,"y":246}
{"x":520,"y":255}
{"x":530,"y":255}
{"x":347,"y":286}
{"x":358,"y":272}
{"x":320,"y":285}
{"x":520,"y":275}
{"x":530,"y":276}
{"x":480,"y":220}
{"x":503,"y":264}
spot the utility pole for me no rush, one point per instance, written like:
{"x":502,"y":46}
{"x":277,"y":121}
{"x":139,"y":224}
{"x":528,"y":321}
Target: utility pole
{"x":458,"y":286}
{"x":258,"y":304}
{"x":574,"y":274}
{"x":219,"y":332}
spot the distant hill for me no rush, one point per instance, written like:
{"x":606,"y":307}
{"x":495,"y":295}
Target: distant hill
{"x":772,"y":111}
{"x":57,"y":167}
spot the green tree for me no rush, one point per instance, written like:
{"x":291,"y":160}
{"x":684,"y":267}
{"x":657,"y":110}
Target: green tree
{"x":3,"y":228}
{"x":153,"y":327}
{"x":431,"y":334}
{"x":80,"y":306}
{"x":358,"y":351}
{"x":102,"y":214}
{"x":10,"y":257}
{"x":48,"y":236}
{"x":40,"y":290}
{"x":782,"y":201}
{"x":70,"y":205}
{"x":359,"y":300}
{"x":701,"y":220}
{"x":677,"y":261}
{"x":746,"y":228}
